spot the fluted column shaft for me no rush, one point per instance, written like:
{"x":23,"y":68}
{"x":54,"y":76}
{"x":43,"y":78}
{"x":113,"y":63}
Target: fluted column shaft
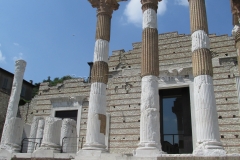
{"x":236,"y":29}
{"x":96,"y":124}
{"x":149,"y":123}
{"x":236,"y":35}
{"x":33,"y":134}
{"x":51,"y":134}
{"x":207,"y":128}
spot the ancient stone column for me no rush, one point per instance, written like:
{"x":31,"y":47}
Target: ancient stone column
{"x":207,"y":128}
{"x":33,"y":134}
{"x":69,"y":136}
{"x":236,"y":29}
{"x":14,"y":131}
{"x":235,"y":4}
{"x":96,"y":124}
{"x":39,"y":135}
{"x":14,"y":100}
{"x":51,"y":134}
{"x":149,"y":124}
{"x":236,"y":35}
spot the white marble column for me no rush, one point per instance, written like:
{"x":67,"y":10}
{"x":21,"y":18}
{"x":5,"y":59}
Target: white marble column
{"x":69,"y":138}
{"x":14,"y":100}
{"x":14,"y":131}
{"x":33,"y":134}
{"x":96,"y":123}
{"x":51,"y":134}
{"x":39,"y":135}
{"x":149,"y":145}
{"x":207,"y":128}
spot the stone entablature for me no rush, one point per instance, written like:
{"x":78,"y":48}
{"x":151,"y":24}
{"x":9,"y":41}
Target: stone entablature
{"x":66,"y":101}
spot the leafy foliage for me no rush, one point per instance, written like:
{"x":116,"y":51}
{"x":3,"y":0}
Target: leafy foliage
{"x":53,"y":82}
{"x":57,"y":80}
{"x":23,"y":102}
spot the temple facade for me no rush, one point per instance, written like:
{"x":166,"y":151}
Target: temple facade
{"x":172,"y":94}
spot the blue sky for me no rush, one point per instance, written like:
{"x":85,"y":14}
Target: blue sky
{"x":56,"y":37}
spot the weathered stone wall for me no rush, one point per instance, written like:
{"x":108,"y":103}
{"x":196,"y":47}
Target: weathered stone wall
{"x":124,"y":90}
{"x":4,"y":98}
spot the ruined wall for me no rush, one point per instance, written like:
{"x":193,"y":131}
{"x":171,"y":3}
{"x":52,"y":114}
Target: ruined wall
{"x":26,"y":112}
{"x":174,"y":52}
{"x":4,"y":98}
{"x":124,"y":90}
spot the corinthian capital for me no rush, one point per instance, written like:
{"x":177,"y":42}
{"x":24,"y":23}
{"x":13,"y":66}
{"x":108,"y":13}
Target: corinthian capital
{"x":105,"y":6}
{"x":235,"y":5}
{"x":153,"y":4}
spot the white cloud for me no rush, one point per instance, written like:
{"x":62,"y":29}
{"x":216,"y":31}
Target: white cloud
{"x":16,"y":44}
{"x":2,"y":58}
{"x":133,"y":11}
{"x":18,"y":57}
{"x":182,"y":2}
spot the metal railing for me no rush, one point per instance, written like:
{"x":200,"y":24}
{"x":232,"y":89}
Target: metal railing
{"x":68,"y":144}
{"x":26,"y":142}
{"x":174,"y":146}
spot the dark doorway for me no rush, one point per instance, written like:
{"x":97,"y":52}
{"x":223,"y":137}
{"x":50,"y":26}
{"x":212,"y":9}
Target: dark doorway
{"x":176,"y":129}
{"x":67,"y":114}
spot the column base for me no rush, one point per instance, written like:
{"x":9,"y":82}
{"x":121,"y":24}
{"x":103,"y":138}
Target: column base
{"x":48,"y":148}
{"x":209,"y":149}
{"x":44,"y":153}
{"x":5,"y":154}
{"x":147,"y":152}
{"x":12,"y":148}
{"x":95,"y":146}
{"x":89,"y":154}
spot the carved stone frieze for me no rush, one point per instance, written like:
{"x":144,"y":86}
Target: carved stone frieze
{"x":176,"y":74}
{"x":66,"y":101}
